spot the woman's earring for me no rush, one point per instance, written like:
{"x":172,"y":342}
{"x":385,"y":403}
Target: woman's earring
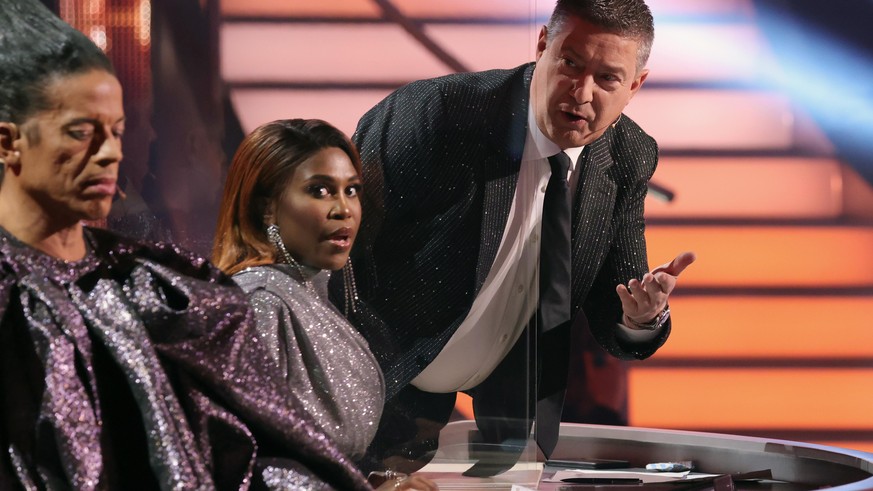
{"x":12,"y":160}
{"x":14,"y":155}
{"x":275,"y":238}
{"x":350,"y":290}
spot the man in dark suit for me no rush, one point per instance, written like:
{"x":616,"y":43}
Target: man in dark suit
{"x":456,"y":172}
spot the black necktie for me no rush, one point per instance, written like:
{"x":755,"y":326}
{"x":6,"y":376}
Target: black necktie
{"x":555,"y":247}
{"x":553,"y":317}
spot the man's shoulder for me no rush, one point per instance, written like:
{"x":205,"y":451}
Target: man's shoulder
{"x":627,"y":127}
{"x":469,"y":85}
{"x":483,"y":79}
{"x":450,"y":106}
{"x":627,"y":133}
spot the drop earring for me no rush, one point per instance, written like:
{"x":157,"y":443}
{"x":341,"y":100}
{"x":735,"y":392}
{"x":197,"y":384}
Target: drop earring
{"x":276,"y":239}
{"x":350,"y":290}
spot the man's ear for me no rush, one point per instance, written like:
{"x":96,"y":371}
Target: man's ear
{"x":638,"y":81}
{"x":542,"y":42}
{"x":9,"y":135}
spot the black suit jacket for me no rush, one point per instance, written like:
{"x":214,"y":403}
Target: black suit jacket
{"x":440,"y":161}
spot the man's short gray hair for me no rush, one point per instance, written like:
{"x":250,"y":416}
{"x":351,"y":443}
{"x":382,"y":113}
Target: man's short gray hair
{"x":627,"y":18}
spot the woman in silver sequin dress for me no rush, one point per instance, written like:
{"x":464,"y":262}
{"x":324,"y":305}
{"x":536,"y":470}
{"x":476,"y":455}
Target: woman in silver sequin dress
{"x":289,"y":216}
{"x":123,"y":365}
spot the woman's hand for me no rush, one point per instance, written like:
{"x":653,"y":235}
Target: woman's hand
{"x":411,"y":483}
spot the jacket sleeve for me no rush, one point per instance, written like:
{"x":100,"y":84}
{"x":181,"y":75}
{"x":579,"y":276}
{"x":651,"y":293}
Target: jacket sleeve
{"x":636,"y":156}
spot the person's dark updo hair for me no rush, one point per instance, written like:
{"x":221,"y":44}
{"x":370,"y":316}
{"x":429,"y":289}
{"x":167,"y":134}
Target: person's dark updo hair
{"x":36,"y":47}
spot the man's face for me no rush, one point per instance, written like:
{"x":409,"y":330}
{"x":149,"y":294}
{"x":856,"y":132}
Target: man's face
{"x":71,"y":151}
{"x":584,"y":78}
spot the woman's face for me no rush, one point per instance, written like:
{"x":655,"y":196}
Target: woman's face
{"x":69,"y":153}
{"x":319,"y":212}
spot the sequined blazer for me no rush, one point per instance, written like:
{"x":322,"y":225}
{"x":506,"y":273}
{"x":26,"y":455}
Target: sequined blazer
{"x":440,"y":161}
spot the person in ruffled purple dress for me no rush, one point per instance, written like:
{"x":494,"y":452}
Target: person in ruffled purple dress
{"x":123,"y":365}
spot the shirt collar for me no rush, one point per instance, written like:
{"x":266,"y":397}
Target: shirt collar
{"x":539,"y":146}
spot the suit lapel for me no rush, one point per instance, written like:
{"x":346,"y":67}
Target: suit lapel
{"x":592,"y":208}
{"x":500,"y":167}
{"x":592,"y":205}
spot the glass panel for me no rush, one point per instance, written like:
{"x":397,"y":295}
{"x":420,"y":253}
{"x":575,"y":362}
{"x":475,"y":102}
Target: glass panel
{"x":772,"y":252}
{"x":350,"y":62}
{"x":719,"y":187}
{"x":196,"y":79}
{"x":296,"y":9}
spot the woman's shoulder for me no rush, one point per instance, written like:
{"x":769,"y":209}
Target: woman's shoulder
{"x":269,"y":277}
{"x":114,"y":244}
{"x":123,"y":252}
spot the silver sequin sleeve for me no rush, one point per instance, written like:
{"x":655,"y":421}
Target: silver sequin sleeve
{"x":324,"y":360}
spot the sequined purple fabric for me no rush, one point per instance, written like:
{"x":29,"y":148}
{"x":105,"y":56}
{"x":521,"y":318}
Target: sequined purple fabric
{"x":138,"y":367}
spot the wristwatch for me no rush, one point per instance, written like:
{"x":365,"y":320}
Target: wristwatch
{"x":656,"y":323}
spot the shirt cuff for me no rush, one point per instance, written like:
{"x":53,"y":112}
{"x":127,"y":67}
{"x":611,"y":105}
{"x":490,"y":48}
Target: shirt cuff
{"x":637,"y":335}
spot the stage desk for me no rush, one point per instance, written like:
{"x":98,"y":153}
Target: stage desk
{"x":798,"y":466}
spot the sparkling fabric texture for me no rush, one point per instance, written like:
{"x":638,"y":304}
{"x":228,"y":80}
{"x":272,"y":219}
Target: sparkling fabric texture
{"x":138,"y":367}
{"x":324,"y":360}
{"x":441,"y":160}
{"x":289,"y":478}
{"x":440,"y":165}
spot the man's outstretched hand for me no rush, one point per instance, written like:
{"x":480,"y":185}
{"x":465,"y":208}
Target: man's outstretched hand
{"x":643,"y":300}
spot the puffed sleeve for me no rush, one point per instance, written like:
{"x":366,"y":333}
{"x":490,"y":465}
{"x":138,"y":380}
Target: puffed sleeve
{"x":272,"y":318}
